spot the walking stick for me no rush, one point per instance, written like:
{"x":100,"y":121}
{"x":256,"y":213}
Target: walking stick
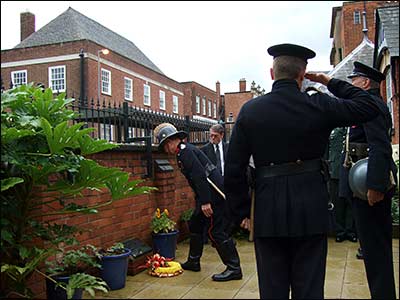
{"x":251,"y":234}
{"x":216,"y":188}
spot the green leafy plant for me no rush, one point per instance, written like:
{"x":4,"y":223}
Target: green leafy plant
{"x":186,"y":215}
{"x":161,"y":222}
{"x":44,"y":171}
{"x":117,"y":248}
{"x":395,"y":201}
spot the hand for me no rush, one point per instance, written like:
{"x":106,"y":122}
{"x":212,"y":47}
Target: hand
{"x":318,"y":77}
{"x":374,"y":197}
{"x":207,"y":210}
{"x":246,"y":224}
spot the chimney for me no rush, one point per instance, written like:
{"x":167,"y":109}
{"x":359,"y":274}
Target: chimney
{"x":27,"y":24}
{"x":242,"y":85}
{"x":218,"y":89}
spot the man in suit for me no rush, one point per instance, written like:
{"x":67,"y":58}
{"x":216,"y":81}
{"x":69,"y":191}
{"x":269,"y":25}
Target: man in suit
{"x":287,"y":132}
{"x":372,"y":211}
{"x":216,"y":148}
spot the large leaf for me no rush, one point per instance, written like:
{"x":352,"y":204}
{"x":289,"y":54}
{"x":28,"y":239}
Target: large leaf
{"x":10,"y":182}
{"x":90,"y":146}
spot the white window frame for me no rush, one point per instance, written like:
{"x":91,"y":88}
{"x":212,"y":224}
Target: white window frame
{"x":215,"y":109}
{"x":357,"y":17}
{"x":175,"y":104}
{"x":209,"y":108}
{"x":109,"y":136}
{"x":146,"y":95}
{"x":18,"y":80}
{"x":105,"y":82}
{"x":204,"y":106}
{"x":197,"y":104}
{"x":128,"y":90}
{"x":63,"y":79}
{"x":162,"y":100}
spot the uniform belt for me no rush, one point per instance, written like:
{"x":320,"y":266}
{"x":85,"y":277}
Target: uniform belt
{"x":359,"y":150}
{"x":291,"y":168}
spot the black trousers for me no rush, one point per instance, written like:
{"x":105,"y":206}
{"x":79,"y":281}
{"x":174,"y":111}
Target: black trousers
{"x":374,"y":227}
{"x":297,"y":264}
{"x":218,"y":229}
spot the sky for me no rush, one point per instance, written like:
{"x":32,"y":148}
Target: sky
{"x":201,"y":41}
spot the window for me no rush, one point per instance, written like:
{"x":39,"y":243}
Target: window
{"x":18,"y":78}
{"x":197,"y":104}
{"x":162,"y":100}
{"x":230,"y":118}
{"x":209,"y":108}
{"x":146,"y":95}
{"x":357,"y":17}
{"x":57,"y":78}
{"x":389,"y":95}
{"x":175,"y":104}
{"x":106,"y":132}
{"x":204,"y":105}
{"x":128,"y":89}
{"x":106,"y":82}
{"x":215,"y":109}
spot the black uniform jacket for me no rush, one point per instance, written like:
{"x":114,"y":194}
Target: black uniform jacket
{"x":283,"y":126}
{"x":196,"y":167}
{"x":209,"y":150}
{"x":376,"y":134}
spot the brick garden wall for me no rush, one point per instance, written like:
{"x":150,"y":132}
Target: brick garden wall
{"x":128,"y":218}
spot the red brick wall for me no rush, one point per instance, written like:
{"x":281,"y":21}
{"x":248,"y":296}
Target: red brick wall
{"x":234,"y":102}
{"x":128,"y":218}
{"x":193,"y":89}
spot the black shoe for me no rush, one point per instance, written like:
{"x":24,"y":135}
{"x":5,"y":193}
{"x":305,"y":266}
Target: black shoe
{"x":191,"y":266}
{"x":228,"y":275}
{"x":340,"y":238}
{"x":359,"y":254}
{"x":352,"y":237}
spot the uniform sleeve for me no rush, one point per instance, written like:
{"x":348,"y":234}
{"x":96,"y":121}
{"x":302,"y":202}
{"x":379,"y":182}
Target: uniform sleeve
{"x":197,"y":175}
{"x":354,"y":105}
{"x":235,"y":180}
{"x":379,"y":155}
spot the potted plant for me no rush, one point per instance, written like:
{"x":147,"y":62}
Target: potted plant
{"x":114,"y":265}
{"x":164,"y":234}
{"x":44,"y":170}
{"x":68,"y":274}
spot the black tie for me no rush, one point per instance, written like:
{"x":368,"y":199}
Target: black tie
{"x":218,"y":155}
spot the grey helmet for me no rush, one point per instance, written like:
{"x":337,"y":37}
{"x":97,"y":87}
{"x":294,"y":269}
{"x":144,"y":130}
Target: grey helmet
{"x":358,"y":178}
{"x":165,"y":131}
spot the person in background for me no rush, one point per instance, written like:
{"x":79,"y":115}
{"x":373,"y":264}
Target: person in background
{"x":287,"y":132}
{"x":207,"y":184}
{"x":345,"y":228}
{"x":372,"y":211}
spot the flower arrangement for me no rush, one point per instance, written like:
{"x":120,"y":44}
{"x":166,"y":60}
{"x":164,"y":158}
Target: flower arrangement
{"x":162,"y":267}
{"x":161,"y":223}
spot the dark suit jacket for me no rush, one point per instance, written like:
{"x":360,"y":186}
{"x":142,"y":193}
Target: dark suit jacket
{"x":209,"y":150}
{"x":283,"y":126}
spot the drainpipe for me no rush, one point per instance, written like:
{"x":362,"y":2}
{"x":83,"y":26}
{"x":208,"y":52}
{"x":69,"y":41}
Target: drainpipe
{"x":82,"y":87}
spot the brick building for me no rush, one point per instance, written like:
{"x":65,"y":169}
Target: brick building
{"x":386,"y":59}
{"x":347,"y":25}
{"x":77,"y":55}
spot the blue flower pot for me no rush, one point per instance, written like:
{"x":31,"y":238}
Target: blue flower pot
{"x":58,"y":293}
{"x":165,"y":243}
{"x":114,"y":269}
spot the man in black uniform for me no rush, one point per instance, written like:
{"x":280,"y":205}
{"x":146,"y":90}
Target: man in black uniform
{"x":373,"y":214}
{"x":287,"y":132}
{"x":198,"y":170}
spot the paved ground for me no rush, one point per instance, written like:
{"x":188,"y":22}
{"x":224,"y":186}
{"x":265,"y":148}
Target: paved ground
{"x":345,"y":278}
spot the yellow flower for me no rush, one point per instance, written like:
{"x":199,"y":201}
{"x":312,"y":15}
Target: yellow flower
{"x":166,"y":212}
{"x":158,"y":213}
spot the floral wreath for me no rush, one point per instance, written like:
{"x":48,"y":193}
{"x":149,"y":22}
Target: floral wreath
{"x":160,"y":266}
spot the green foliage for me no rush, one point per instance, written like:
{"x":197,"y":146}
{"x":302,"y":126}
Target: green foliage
{"x":395,"y":201}
{"x":116,"y":249}
{"x":86,"y":282}
{"x":43,"y":153}
{"x":161,"y":222}
{"x":186,"y":215}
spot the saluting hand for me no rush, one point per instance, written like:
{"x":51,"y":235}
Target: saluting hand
{"x":318,"y":77}
{"x":374,"y":197}
{"x":207,"y":210}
